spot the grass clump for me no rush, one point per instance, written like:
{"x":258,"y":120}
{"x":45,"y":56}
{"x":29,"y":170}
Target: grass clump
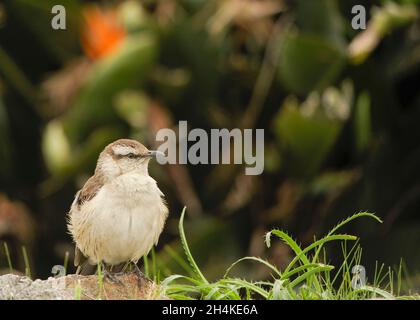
{"x":308,"y":276}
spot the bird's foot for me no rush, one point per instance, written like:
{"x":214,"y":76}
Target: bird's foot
{"x":140,"y":275}
{"x":111,"y":277}
{"x":134,"y":269}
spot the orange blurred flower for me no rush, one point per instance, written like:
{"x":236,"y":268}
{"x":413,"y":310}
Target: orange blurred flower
{"x":102,"y":33}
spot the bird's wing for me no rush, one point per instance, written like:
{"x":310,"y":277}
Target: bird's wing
{"x":82,"y":263}
{"x":89,"y":190}
{"x":79,"y":257}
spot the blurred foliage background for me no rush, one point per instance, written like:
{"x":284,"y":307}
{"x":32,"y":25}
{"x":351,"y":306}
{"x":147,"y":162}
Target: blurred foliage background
{"x":340,"y":108}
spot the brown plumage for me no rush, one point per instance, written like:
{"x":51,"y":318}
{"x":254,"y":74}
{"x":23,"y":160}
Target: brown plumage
{"x":119,"y":213}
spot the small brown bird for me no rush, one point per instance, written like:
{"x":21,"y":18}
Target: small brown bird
{"x":120,"y":212}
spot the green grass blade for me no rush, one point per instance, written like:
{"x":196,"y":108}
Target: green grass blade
{"x":66,"y":262}
{"x":378,"y":291}
{"x":301,"y":268}
{"x":146,"y":265}
{"x":295,"y":247}
{"x":187,"y":249}
{"x":78,"y":291}
{"x":318,"y":243}
{"x":172,"y":278}
{"x":178,"y":259}
{"x":290,"y":242}
{"x":308,"y":274}
{"x":343,"y":223}
{"x":245,"y":284}
{"x":154,"y":270}
{"x":262,"y":261}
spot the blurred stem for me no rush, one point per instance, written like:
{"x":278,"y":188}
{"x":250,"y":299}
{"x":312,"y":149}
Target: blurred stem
{"x":12,"y":73}
{"x":362,"y":122}
{"x":66,"y":261}
{"x":265,"y":78}
{"x":7,"y":253}
{"x":267,"y":72}
{"x":26,"y":260}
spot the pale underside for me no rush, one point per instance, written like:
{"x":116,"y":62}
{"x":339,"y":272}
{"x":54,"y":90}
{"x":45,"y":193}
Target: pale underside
{"x":121,"y":223}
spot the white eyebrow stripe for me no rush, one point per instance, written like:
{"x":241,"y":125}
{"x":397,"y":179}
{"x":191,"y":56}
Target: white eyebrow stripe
{"x":121,"y":150}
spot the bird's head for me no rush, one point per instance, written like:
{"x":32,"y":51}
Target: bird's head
{"x":123,"y":156}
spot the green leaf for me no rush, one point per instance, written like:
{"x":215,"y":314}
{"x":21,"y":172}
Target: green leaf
{"x":305,"y":140}
{"x":323,"y":18}
{"x":309,"y":62}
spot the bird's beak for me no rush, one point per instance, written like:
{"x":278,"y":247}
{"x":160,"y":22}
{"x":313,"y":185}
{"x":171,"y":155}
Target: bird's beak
{"x":155,"y":153}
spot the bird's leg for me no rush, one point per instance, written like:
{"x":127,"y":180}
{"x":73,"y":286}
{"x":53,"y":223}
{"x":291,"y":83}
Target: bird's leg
{"x":122,"y":269}
{"x":78,"y":270}
{"x":137,"y":271}
{"x":125,"y":267}
{"x":140,"y":275}
{"x":109,"y":275}
{"x":85,"y":268}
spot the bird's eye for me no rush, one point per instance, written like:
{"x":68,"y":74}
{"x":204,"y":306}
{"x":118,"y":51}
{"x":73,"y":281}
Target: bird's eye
{"x":131,"y":156}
